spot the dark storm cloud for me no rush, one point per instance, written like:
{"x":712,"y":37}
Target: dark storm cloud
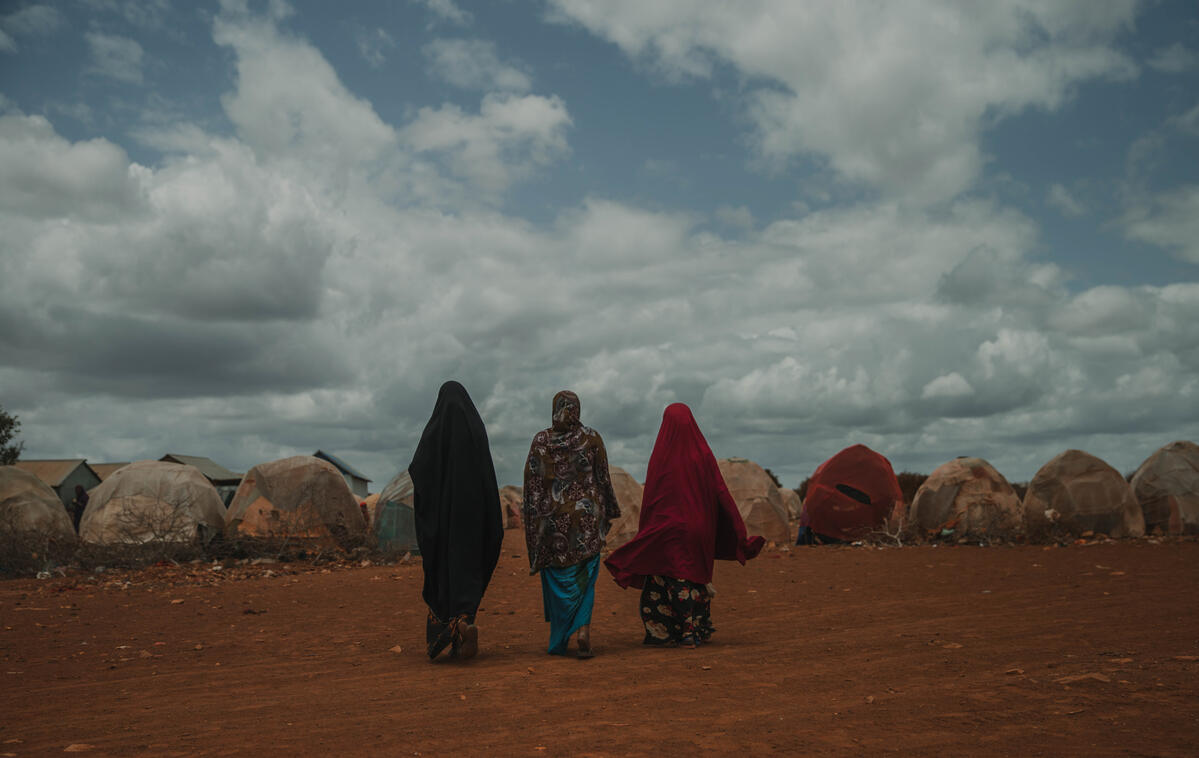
{"x":164,"y":357}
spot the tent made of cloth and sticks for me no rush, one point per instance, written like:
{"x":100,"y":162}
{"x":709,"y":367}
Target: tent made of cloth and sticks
{"x":28,"y":505}
{"x":152,"y":501}
{"x":1075,"y":492}
{"x":1166,"y":486}
{"x":301,"y":497}
{"x":851,"y":494}
{"x":758,"y":498}
{"x":967,"y":497}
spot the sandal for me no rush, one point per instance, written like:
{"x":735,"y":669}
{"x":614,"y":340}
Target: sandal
{"x":438,"y":636}
{"x":466,"y":640}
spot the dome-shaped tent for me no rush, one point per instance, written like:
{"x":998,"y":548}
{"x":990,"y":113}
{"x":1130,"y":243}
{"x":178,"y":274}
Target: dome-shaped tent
{"x":758,"y":499}
{"x":1167,"y":488}
{"x":152,"y":501}
{"x":628,"y":496}
{"x":512,"y":500}
{"x":850,"y":494}
{"x":792,"y":503}
{"x":299,"y":497}
{"x":968,"y":496}
{"x":29,"y":505}
{"x":393,"y":516}
{"x":1076,"y":492}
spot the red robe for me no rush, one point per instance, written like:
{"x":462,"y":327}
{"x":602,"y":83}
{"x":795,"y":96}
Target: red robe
{"x":688,"y":517}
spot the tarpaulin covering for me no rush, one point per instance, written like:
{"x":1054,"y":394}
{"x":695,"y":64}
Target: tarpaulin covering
{"x":152,"y":501}
{"x":628,"y":497}
{"x":757,"y":497}
{"x":1076,"y":492}
{"x":1167,"y":488}
{"x":969,"y":497}
{"x":393,"y":518}
{"x":299,"y":497}
{"x":851,"y":494}
{"x":27,"y":504}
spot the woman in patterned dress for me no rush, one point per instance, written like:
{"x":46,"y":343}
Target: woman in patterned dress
{"x":568,"y":504}
{"x":688,"y":520}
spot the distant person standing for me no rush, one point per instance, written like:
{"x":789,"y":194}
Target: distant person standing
{"x":568,"y":504}
{"x":458,"y":527}
{"x":688,"y":520}
{"x":78,"y":505}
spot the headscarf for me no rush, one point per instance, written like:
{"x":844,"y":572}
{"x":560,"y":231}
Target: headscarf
{"x":457,"y":505}
{"x":688,"y":517}
{"x":568,"y":495}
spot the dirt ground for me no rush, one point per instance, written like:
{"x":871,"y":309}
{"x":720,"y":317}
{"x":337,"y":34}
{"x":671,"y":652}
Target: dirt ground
{"x":1083,"y":650}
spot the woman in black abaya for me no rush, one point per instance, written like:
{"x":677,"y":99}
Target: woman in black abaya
{"x":458,"y":526}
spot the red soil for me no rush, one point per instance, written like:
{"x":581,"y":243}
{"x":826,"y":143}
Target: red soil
{"x":1087,"y":650}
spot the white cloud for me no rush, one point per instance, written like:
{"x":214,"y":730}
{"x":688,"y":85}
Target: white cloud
{"x":510,"y":135}
{"x":1169,"y":220}
{"x":30,"y":21}
{"x":473,"y":64}
{"x":1188,"y":122}
{"x":447,"y":10}
{"x":1061,"y":198}
{"x":290,"y":102}
{"x":45,"y":176}
{"x":947,"y":385}
{"x":373,"y":44}
{"x":310,"y":280}
{"x":1175,"y":59}
{"x":116,"y":57}
{"x":894,"y":96}
{"x":1102,"y":311}
{"x":736,"y":216}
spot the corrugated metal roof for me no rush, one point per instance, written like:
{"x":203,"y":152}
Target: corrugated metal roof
{"x":103,"y":470}
{"x":214,"y":471}
{"x":345,"y":467}
{"x":53,"y":471}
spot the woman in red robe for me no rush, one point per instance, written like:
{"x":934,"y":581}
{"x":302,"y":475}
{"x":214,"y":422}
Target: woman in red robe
{"x":688,"y":520}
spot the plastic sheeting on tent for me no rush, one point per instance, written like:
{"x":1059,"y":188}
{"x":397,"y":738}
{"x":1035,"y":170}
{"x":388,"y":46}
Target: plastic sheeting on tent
{"x":393,"y":516}
{"x":968,"y":496}
{"x":512,"y":500}
{"x":1076,"y":492}
{"x":628,"y":497}
{"x":757,"y":497}
{"x":300,"y":497}
{"x":792,"y":503}
{"x":1167,"y":488}
{"x":152,"y":501}
{"x":851,"y":494}
{"x":27,"y":504}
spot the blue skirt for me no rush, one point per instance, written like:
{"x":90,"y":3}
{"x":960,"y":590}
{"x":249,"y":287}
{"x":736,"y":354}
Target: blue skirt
{"x":569,"y":594}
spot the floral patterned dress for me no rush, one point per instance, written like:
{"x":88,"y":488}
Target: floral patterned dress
{"x":568,"y":495}
{"x":675,"y":611}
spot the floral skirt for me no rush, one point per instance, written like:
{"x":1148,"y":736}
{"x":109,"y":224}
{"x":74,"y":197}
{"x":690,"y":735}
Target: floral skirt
{"x":675,"y":610}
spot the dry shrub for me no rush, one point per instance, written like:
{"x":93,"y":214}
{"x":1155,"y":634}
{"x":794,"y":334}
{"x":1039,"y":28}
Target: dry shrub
{"x":26,"y":552}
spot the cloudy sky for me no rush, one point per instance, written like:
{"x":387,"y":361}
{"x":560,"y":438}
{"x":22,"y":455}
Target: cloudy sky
{"x":939,"y":228}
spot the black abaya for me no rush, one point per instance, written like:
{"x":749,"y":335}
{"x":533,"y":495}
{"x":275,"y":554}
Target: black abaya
{"x":457,"y":506}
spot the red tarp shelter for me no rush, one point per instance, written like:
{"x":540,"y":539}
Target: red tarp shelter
{"x":850,"y":494}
